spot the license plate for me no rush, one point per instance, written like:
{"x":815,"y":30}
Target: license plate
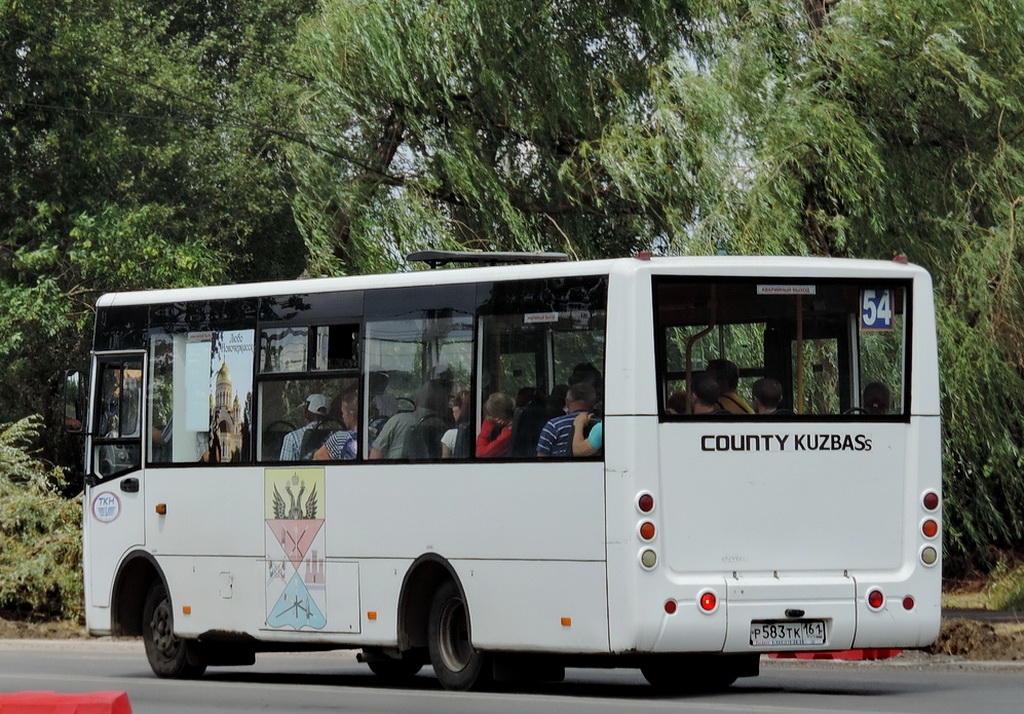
{"x":790,"y":633}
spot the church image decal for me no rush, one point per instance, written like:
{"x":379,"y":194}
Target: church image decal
{"x":295,"y":545}
{"x":230,"y":396}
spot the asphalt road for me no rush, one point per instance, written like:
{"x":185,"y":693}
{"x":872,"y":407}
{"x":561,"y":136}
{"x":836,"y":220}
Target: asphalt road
{"x":336,"y":682}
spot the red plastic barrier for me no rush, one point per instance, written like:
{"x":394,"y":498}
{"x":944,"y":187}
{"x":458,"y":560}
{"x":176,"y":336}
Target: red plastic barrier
{"x":862,"y":654}
{"x":50,"y":703}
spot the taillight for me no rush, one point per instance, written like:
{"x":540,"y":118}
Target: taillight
{"x":645,"y":503}
{"x":671,"y":606}
{"x":930,"y":501}
{"x":908,"y":603}
{"x":708,"y":601}
{"x":876,"y":599}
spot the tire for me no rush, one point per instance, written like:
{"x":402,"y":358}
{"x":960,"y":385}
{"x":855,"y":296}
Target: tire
{"x":457,"y":664}
{"x":686,"y":675}
{"x":166,"y":652}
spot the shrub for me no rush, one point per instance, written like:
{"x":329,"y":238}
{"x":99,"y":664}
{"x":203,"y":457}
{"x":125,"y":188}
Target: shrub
{"x":40,"y":531}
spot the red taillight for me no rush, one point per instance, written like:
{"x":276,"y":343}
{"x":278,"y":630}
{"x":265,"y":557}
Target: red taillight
{"x":930,"y":501}
{"x":647,"y":530}
{"x":876,"y":599}
{"x":908,"y":603}
{"x":708,"y":601}
{"x":929,"y":528}
{"x":670,"y":607}
{"x":645,"y":503}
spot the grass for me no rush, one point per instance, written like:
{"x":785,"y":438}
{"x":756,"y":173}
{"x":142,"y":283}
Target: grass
{"x":1002,"y":590}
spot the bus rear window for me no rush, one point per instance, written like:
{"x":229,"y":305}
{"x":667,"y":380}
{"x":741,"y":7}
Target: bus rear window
{"x":799,"y":347}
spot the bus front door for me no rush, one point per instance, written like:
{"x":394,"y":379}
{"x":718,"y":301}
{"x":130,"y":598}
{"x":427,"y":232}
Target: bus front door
{"x":114,"y":503}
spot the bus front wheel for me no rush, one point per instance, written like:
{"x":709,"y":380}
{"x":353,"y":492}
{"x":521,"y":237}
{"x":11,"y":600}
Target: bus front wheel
{"x":457,"y":664}
{"x":165,"y":651}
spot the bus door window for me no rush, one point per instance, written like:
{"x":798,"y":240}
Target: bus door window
{"x":416,"y":365}
{"x":537,"y":339}
{"x":118,"y":418}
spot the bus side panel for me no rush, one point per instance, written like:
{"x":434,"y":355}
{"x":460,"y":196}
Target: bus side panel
{"x":209,"y":511}
{"x":539,"y":606}
{"x":212,"y":593}
{"x":501,"y":511}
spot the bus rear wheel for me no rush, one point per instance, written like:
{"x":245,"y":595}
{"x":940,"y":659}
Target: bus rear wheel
{"x":457,"y":664}
{"x":166,"y":652}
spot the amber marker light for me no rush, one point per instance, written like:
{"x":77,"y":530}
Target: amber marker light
{"x":186,"y":609}
{"x":161,"y":508}
{"x":371,"y":615}
{"x":647,"y":530}
{"x":566,"y":622}
{"x":929,"y":528}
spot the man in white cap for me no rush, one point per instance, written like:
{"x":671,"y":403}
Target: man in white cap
{"x":315,"y":410}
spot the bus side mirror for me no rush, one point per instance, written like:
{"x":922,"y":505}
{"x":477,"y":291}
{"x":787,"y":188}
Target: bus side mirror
{"x":74,"y":402}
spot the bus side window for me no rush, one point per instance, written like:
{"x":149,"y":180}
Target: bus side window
{"x":538,"y":338}
{"x":203,"y":379}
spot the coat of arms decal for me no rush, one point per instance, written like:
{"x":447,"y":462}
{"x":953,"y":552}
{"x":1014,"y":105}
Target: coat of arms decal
{"x":296,"y":552}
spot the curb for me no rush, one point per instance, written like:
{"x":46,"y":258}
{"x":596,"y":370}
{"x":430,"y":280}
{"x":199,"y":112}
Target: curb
{"x":51,"y":703}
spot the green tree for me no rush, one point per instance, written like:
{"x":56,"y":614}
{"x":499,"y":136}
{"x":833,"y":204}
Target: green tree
{"x":135,"y":152}
{"x":870,"y":129}
{"x":485,"y":124}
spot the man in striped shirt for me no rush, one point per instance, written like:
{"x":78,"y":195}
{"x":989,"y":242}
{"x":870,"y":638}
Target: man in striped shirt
{"x":556,"y":437}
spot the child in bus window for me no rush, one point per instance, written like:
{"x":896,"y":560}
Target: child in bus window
{"x":496,"y":431}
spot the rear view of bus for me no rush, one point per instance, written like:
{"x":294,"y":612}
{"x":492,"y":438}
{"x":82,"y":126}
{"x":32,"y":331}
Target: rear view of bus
{"x":811,"y":526}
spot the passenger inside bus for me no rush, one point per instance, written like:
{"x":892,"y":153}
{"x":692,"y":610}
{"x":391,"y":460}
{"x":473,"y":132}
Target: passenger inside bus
{"x":877,"y":398}
{"x":767,"y":396}
{"x":676,"y":403}
{"x":416,"y":434}
{"x":587,"y":438}
{"x":556,"y":436}
{"x":315,"y":409}
{"x":455,"y":442}
{"x":496,"y":431}
{"x":706,"y":394}
{"x":343,"y":445}
{"x":728,"y":375}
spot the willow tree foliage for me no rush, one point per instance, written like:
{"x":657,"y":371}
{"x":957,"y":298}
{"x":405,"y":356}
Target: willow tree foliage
{"x":485,"y":124}
{"x":814,"y":127}
{"x":870,"y":129}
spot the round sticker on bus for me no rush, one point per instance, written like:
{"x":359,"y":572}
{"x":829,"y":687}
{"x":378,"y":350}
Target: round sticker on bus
{"x":106,"y":507}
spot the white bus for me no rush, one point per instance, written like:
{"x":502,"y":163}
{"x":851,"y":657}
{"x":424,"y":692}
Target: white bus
{"x":692,"y":542}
